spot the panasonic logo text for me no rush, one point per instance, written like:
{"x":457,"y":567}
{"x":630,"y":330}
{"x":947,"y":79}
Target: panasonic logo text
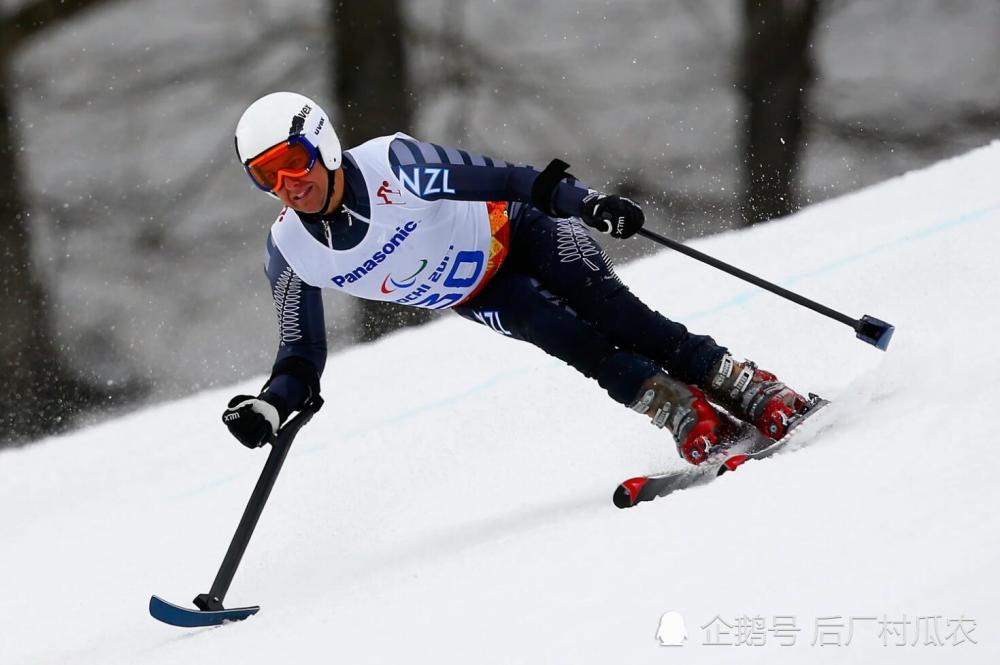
{"x":402,"y":233}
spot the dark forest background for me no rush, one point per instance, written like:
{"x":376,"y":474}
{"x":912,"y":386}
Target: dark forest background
{"x":132,"y":242}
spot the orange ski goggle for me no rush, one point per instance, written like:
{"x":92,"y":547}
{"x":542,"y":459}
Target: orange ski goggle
{"x":294,"y":158}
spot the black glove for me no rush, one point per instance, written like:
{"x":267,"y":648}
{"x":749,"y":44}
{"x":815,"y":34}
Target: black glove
{"x":251,"y":420}
{"x":612,"y":214}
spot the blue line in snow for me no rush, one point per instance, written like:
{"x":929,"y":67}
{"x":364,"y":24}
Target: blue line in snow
{"x":302,"y":450}
{"x":832,"y":266}
{"x":422,"y":409}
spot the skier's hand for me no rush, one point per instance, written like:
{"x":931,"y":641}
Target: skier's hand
{"x":612,"y":214}
{"x":251,"y":420}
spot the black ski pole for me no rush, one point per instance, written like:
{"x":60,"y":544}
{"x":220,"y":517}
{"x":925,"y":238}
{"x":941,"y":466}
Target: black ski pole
{"x":279,"y":449}
{"x":210,"y":605}
{"x":869,"y":329}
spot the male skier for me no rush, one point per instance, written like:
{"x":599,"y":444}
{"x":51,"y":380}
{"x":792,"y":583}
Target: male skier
{"x":397,"y":219}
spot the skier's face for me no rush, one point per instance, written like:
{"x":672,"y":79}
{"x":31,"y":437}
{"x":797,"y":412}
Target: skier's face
{"x":305,"y":193}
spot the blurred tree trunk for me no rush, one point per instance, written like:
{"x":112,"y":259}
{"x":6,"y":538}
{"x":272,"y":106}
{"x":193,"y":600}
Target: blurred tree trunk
{"x":40,"y":394}
{"x":38,"y":390}
{"x":371,"y":86}
{"x":776,"y":72}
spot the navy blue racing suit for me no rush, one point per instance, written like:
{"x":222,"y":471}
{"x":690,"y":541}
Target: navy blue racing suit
{"x":556,"y":289}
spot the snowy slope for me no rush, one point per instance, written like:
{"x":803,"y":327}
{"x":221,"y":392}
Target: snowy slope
{"x":452,"y":501}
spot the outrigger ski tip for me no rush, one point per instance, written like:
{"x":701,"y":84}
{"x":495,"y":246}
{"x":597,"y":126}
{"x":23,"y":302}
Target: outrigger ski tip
{"x":175,"y":615}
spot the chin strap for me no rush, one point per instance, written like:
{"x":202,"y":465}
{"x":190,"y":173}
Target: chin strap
{"x":331,"y":187}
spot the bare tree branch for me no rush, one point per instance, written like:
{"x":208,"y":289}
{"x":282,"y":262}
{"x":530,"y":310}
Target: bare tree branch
{"x":217,"y":70}
{"x":882,"y":130}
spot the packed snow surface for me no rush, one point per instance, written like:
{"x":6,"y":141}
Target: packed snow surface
{"x":452,"y":501}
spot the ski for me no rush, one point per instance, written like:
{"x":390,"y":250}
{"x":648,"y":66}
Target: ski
{"x":646,"y":488}
{"x":175,"y":615}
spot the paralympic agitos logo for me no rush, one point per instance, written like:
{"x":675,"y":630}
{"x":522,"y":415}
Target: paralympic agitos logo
{"x":402,"y":233}
{"x":406,"y":283}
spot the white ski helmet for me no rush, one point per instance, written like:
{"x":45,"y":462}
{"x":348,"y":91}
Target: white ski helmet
{"x":276,"y":117}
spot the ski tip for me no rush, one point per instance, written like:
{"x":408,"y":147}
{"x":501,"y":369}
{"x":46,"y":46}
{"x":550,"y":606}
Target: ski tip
{"x":627,"y":494}
{"x":622,"y":498}
{"x":815,"y":403}
{"x":733,"y":462}
{"x":175,"y":615}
